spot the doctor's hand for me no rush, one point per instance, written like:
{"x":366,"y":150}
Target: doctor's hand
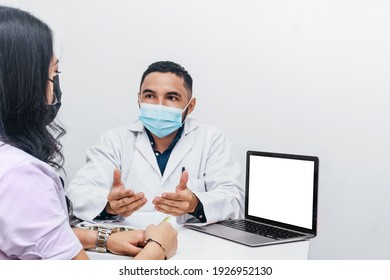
{"x":122,"y":201}
{"x":182,"y":201}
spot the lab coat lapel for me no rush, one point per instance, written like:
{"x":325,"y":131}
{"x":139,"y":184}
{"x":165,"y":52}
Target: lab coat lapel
{"x":178,"y":153}
{"x":144,"y":147}
{"x":182,"y":148}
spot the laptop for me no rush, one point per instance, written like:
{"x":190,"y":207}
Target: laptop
{"x":280,"y":201}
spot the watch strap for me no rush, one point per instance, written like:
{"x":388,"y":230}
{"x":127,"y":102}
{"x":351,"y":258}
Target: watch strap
{"x":102,"y":237}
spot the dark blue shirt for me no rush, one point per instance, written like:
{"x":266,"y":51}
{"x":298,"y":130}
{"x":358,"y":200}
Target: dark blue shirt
{"x":162,"y":158}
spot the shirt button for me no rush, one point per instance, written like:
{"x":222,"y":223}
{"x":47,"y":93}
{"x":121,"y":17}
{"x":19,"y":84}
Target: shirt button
{"x":156,"y":154}
{"x":201,"y":216}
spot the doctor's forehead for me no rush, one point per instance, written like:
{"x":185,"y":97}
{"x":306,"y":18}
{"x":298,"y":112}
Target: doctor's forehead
{"x":163,"y":82}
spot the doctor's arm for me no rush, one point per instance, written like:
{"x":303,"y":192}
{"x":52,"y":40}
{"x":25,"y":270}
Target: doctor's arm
{"x":122,"y":201}
{"x":93,"y":183}
{"x":223,"y":193}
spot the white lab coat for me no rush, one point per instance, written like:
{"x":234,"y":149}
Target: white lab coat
{"x":214,"y":171}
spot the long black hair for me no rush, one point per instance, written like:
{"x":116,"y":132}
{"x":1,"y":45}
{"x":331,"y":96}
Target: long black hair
{"x":26,"y":50}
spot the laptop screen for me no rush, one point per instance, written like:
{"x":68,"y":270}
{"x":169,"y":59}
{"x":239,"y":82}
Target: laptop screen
{"x":282,"y":188}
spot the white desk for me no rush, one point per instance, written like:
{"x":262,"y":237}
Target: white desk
{"x":193,"y":245}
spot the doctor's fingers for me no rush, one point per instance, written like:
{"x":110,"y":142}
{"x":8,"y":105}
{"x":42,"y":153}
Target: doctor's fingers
{"x":128,"y":201}
{"x":172,"y":204}
{"x":126,"y":213}
{"x":116,"y":194}
{"x":183,"y":181}
{"x":178,"y":196}
{"x":117,"y":179}
{"x":166,"y":209}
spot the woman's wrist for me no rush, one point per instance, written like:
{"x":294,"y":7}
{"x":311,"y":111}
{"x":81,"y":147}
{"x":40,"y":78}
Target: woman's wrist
{"x":87,"y":237}
{"x":102,"y":239}
{"x":151,"y":251}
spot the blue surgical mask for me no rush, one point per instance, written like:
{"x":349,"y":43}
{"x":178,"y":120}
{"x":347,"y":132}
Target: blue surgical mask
{"x":161,"y":120}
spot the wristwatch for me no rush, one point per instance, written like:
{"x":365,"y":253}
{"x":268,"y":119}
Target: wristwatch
{"x":101,"y":242}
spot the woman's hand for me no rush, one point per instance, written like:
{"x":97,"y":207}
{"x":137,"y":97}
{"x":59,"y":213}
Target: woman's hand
{"x":164,"y":234}
{"x":126,"y":242}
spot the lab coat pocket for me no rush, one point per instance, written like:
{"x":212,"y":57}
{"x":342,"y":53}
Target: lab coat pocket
{"x":196,"y":185}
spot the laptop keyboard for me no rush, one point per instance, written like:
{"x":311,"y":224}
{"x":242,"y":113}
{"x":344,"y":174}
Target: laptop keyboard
{"x":260,"y":229}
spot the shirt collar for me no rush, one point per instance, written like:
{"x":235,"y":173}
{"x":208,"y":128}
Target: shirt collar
{"x":177,"y":137}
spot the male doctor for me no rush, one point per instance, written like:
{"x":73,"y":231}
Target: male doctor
{"x":162,"y":162}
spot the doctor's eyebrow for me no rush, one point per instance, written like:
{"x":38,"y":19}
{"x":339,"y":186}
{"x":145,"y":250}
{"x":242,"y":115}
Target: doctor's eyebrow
{"x":174,"y":93}
{"x":169,"y":93}
{"x":147,"y":91}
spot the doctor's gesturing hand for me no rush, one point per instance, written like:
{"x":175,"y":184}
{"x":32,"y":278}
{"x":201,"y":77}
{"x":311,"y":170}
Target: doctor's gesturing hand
{"x":122,"y":201}
{"x":182,"y":201}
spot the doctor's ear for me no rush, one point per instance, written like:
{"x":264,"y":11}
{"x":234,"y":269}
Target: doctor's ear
{"x":191,"y":106}
{"x":139,"y":99}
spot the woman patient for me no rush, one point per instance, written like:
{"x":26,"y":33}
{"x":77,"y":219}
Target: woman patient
{"x":33,"y":213}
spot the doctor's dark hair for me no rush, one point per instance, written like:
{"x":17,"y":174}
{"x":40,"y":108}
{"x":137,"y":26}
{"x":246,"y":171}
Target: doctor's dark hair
{"x":26,"y":50}
{"x":170,"y":67}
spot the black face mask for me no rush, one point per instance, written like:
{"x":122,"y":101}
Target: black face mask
{"x":52,"y":109}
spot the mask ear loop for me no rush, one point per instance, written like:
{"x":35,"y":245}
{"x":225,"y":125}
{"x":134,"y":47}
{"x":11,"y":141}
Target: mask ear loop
{"x":186,"y":111}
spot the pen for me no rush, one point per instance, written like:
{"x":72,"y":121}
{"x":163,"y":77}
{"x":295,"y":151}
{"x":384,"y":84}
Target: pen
{"x":166,"y":219}
{"x":183,"y":169}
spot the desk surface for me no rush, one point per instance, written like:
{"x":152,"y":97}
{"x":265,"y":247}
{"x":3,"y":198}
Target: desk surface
{"x":193,"y":245}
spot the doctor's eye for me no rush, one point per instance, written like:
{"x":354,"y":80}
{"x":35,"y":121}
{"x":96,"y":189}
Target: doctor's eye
{"x":148,"y":96}
{"x":173,"y":98}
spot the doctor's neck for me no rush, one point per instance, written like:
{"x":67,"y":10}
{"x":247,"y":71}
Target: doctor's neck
{"x":161,"y":144}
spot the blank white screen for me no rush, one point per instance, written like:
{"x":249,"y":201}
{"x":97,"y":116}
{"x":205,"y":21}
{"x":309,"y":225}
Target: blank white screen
{"x":281,"y":190}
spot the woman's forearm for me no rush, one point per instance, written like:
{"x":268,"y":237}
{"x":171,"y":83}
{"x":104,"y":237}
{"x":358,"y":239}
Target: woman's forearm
{"x":87,"y":237}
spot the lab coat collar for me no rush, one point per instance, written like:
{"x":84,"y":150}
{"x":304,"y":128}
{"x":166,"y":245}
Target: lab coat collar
{"x":137,"y":126}
{"x":190,"y":125}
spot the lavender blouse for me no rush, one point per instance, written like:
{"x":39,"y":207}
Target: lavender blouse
{"x":33,"y":215}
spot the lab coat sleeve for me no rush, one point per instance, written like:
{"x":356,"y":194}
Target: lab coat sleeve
{"x":223,"y":195}
{"x":89,"y":189}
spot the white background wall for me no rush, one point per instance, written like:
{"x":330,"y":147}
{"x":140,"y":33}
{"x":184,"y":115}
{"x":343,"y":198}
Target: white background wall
{"x":306,"y":77}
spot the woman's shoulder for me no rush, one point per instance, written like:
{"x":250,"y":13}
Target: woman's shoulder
{"x":13,"y":158}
